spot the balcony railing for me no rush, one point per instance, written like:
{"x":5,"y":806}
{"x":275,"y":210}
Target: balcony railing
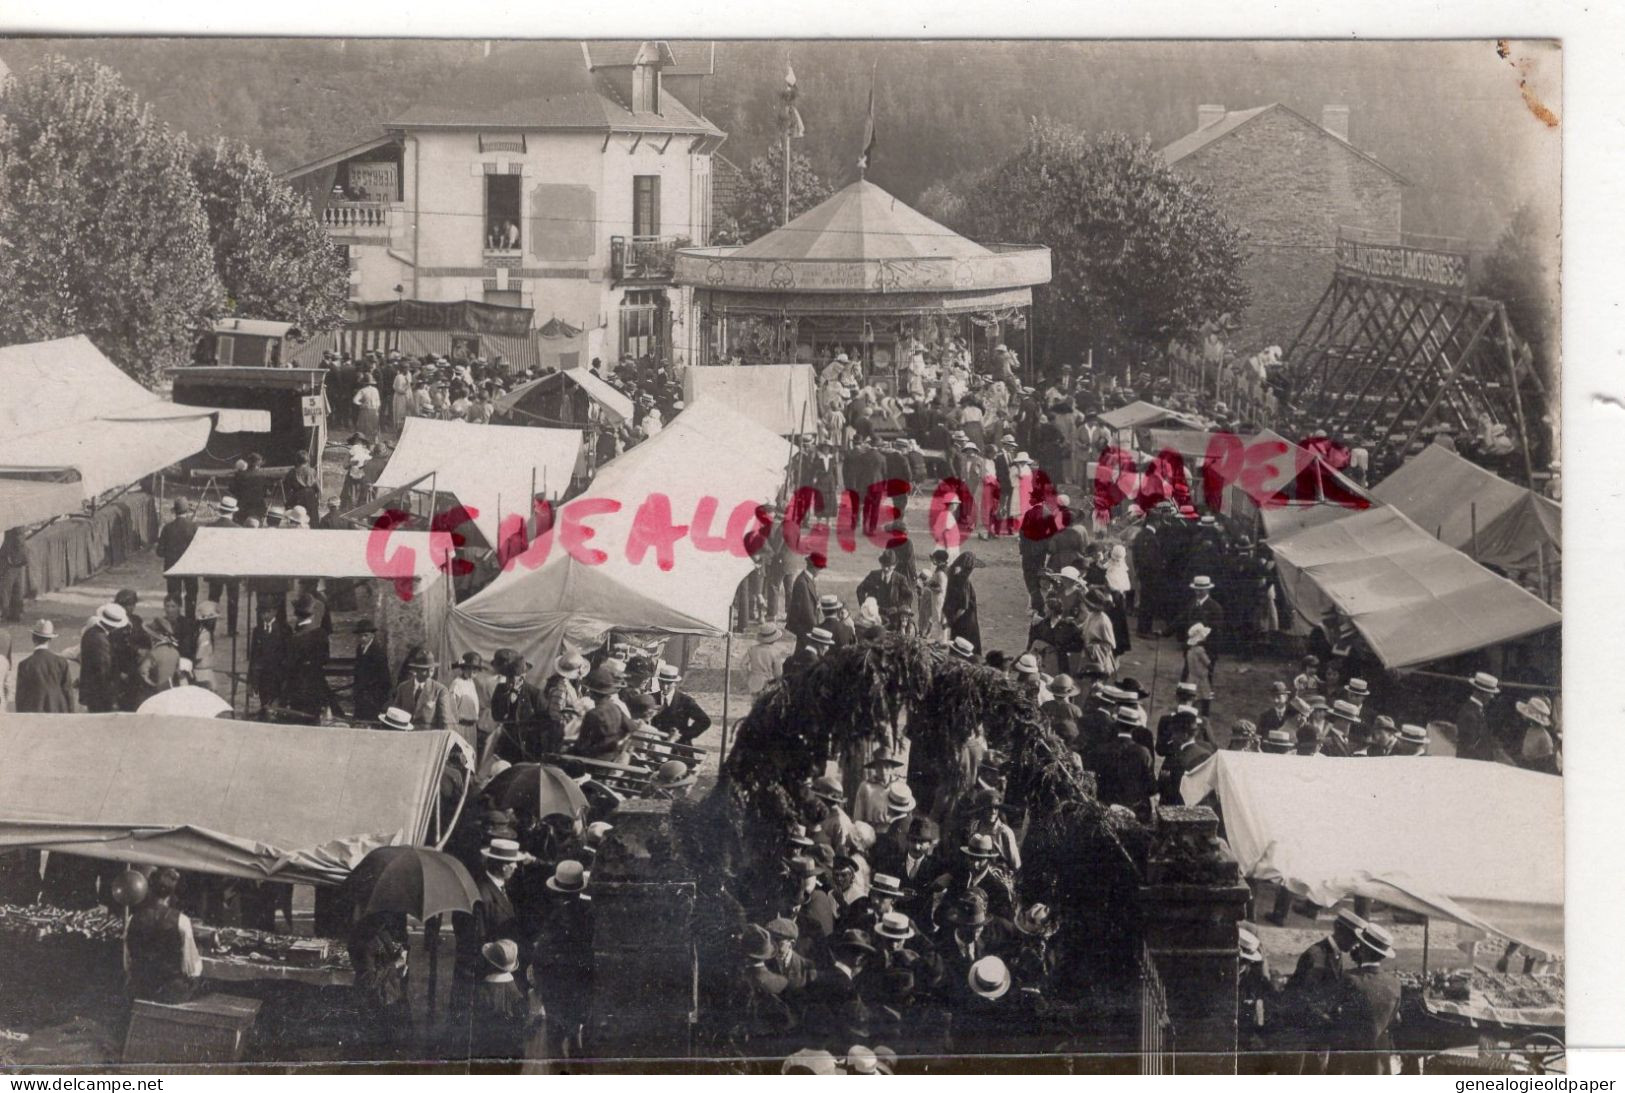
{"x":650,"y":258}
{"x":357,"y":217}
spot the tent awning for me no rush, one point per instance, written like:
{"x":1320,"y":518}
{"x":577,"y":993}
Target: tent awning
{"x":618,"y":405}
{"x":310,"y":552}
{"x":26,"y":501}
{"x":107,"y":454}
{"x":1479,"y":843}
{"x":288,"y":802}
{"x":495,"y":469}
{"x":707,"y":450}
{"x":1412,"y":598}
{"x":1450,"y":496}
{"x":779,"y":397}
{"x":1137,"y":415}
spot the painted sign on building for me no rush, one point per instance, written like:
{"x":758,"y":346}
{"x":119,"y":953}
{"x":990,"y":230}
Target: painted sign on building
{"x":374,"y":180}
{"x":1412,"y":265}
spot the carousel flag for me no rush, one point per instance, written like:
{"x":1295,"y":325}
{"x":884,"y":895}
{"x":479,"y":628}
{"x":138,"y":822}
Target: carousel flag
{"x":793,"y":125}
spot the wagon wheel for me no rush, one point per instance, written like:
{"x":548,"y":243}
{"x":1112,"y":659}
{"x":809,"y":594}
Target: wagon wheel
{"x":1540,"y":1053}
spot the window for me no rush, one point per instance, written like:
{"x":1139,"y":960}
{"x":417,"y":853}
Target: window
{"x":502,"y":212}
{"x":645,"y":206}
{"x":640,"y":323}
{"x":506,"y":297}
{"x":645,"y":89}
{"x":225,"y":350}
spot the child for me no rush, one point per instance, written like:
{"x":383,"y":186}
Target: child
{"x":1199,"y":667}
{"x":1307,"y":682}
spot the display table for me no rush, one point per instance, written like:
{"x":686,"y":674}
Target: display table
{"x":212,"y":1030}
{"x":76,"y":547}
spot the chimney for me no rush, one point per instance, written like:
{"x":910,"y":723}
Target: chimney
{"x":1335,"y":120}
{"x":1207,"y":114}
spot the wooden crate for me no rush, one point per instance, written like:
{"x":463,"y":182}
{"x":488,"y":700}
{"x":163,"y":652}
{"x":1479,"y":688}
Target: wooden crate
{"x":211,"y":1030}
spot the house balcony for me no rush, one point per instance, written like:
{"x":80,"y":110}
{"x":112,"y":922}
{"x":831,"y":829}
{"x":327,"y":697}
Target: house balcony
{"x":644,"y":259}
{"x":360,"y":221}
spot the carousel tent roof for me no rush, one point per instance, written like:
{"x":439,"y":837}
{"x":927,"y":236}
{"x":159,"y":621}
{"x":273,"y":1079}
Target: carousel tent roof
{"x":861,"y":222}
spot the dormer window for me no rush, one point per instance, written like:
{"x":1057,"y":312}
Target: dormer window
{"x":645,"y":88}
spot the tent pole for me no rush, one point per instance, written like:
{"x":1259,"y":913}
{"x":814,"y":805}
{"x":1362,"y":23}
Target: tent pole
{"x":1540,"y":560}
{"x":727,"y":679}
{"x":1472,"y":513}
{"x":234,"y":645}
{"x":1427,"y":929}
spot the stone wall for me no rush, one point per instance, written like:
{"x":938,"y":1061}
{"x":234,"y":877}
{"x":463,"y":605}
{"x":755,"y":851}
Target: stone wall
{"x":1290,"y":185}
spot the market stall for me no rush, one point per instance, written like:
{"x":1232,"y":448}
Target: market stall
{"x":861,"y":273}
{"x":572,"y":399}
{"x":779,"y":397}
{"x":1479,"y":844}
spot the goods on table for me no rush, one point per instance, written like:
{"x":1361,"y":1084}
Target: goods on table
{"x":258,"y":946}
{"x":41,"y":920}
{"x":1503,"y":998}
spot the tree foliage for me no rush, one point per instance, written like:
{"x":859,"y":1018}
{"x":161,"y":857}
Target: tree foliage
{"x":1140,"y":254}
{"x":759,"y":204}
{"x":274,"y":259}
{"x":103,"y":232}
{"x":1522,"y":273}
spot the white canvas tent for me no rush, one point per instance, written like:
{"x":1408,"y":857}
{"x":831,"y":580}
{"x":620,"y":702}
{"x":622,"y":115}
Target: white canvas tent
{"x":1479,"y":843}
{"x":294,"y":803}
{"x":66,"y":405}
{"x":489,"y":468}
{"x":707,"y":450}
{"x":778,"y":397}
{"x":311,"y":552}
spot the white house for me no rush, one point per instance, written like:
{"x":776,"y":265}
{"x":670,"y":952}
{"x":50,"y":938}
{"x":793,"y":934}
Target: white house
{"x":558,"y":176}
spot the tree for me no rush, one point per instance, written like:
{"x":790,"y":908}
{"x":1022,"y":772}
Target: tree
{"x":270,"y":253}
{"x":759,"y":203}
{"x":1522,"y":273}
{"x":103,"y":232}
{"x":1139,"y":253}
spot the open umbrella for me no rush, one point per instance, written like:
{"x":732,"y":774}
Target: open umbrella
{"x":538,"y":789}
{"x":413,"y":880}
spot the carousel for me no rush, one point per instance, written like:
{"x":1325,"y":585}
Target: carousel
{"x":861,"y":274}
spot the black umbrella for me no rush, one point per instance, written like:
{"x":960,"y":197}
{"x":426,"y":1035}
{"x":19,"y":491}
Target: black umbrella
{"x":412,"y":880}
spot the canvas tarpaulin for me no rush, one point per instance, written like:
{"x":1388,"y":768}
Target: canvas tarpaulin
{"x":778,"y":397}
{"x":1479,"y":843}
{"x":466,"y":316}
{"x":25,"y":501}
{"x":492,"y":468}
{"x":67,"y":405}
{"x":1450,"y":496}
{"x":707,"y":450}
{"x":617,"y":405}
{"x":1138,"y":415}
{"x":310,"y":552}
{"x":302,"y":804}
{"x":1412,"y":598}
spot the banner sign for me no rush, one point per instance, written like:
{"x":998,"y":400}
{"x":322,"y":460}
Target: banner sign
{"x":375,"y":180}
{"x":1413,"y":265}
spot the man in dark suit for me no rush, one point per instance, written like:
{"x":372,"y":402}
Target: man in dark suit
{"x":270,"y":648}
{"x":98,"y":675}
{"x":802,"y":615}
{"x":426,"y":700}
{"x":893,"y":592}
{"x":1310,"y":994}
{"x":1204,"y":609}
{"x":492,"y":919}
{"x":44,"y":679}
{"x":1186,"y":756}
{"x":1125,"y":769}
{"x":372,"y":679}
{"x":307,"y":695}
{"x":810,"y":907}
{"x":173,"y":540}
{"x":1474,"y":740}
{"x":679,"y":712}
{"x":835,"y":621}
{"x":1364,"y":1006}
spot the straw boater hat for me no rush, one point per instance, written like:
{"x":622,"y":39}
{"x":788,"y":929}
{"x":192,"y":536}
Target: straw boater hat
{"x":819,"y":636}
{"x":989,"y":978}
{"x":980,"y":847}
{"x":396,"y":718}
{"x":1537,"y":710}
{"x":1484,"y":683}
{"x":1413,"y":734}
{"x":798,"y":836}
{"x":569,"y":878}
{"x":503,"y":850}
{"x":1346,"y":710}
{"x":895,"y":926}
{"x":1026,"y":665}
{"x":502,"y":955}
{"x":884,"y":884}
{"x":1375,"y":938}
{"x":1279,"y":741}
{"x":568,"y":664}
{"x":809,"y":1061}
{"x":899,"y":801}
{"x":668,"y":673}
{"x":1247,"y":946}
{"x":1358,"y":688}
{"x":829,"y":602}
{"x":227,"y":506}
{"x":112,"y":616}
{"x":767,"y":634}
{"x":1202,"y":584}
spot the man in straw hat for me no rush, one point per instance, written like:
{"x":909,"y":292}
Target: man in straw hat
{"x":1126,"y":770}
{"x":98,"y":679}
{"x":424,"y":698}
{"x":492,"y":918}
{"x":1311,"y":991}
{"x":679,"y":714}
{"x":1364,"y":1005}
{"x":1412,"y":740}
{"x":1538,"y":749}
{"x":606,"y":728}
{"x":44,"y":678}
{"x":1342,"y":719}
{"x":1474,"y":740}
{"x":764,"y":661}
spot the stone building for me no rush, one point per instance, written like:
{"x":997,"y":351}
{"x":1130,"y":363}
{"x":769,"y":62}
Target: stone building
{"x":1292,"y":185}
